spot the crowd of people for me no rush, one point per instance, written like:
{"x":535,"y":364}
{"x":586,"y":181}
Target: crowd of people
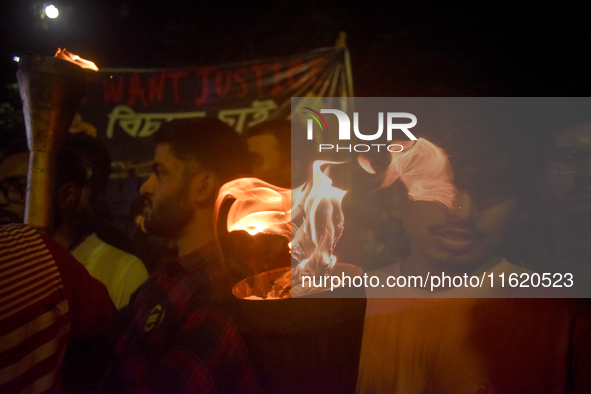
{"x":174,"y":329}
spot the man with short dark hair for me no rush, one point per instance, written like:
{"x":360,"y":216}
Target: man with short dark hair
{"x":93,"y":215}
{"x":458,"y":342}
{"x":179,"y":334}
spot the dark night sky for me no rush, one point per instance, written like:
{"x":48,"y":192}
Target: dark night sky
{"x":402,"y":49}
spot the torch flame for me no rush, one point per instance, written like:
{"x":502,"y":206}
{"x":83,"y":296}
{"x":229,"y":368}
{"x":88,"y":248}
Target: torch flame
{"x":259,"y":207}
{"x":310,"y":217}
{"x":318,"y":221}
{"x":425,"y":170}
{"x":72,"y":58}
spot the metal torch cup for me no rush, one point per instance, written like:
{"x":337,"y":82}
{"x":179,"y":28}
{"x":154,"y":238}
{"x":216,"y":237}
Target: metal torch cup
{"x":51,"y":90}
{"x":304,"y":344}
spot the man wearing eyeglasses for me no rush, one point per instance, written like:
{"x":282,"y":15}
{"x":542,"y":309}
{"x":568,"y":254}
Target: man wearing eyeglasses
{"x":13,"y":186}
{"x":77,"y":227}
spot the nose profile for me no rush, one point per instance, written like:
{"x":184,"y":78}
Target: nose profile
{"x":463,"y":210}
{"x":148,"y":187}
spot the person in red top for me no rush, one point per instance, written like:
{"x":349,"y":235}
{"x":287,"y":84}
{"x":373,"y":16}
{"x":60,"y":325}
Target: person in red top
{"x":47,"y":298}
{"x":178,"y":330}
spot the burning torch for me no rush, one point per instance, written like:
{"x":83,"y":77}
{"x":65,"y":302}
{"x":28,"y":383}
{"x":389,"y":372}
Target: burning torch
{"x":298,"y":343}
{"x":308,"y":344}
{"x":51,"y":89}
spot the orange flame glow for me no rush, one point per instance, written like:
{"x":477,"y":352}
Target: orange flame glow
{"x":317,"y":220}
{"x":424,"y":169}
{"x":77,"y":60}
{"x":260,"y":208}
{"x":309,"y":216}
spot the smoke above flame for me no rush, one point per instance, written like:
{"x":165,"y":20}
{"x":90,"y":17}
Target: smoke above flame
{"x":423,"y":167}
{"x":68,"y":56}
{"x":310,"y":217}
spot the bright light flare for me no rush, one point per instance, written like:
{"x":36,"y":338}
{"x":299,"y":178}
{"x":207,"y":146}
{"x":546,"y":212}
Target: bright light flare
{"x":51,"y":11}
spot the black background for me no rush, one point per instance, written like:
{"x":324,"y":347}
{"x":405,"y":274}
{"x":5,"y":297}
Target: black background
{"x":403,"y":48}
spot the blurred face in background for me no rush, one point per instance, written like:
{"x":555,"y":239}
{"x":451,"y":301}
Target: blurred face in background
{"x":566,"y":186}
{"x":270,"y":163}
{"x":13,"y":185}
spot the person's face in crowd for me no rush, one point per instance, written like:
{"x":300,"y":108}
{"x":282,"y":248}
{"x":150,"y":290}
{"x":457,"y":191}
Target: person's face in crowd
{"x":269,"y":163}
{"x":167,"y":191}
{"x":13,"y":178}
{"x":13,"y":185}
{"x":461,"y":238}
{"x":566,"y":187}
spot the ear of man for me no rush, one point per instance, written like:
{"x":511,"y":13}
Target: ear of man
{"x":204,"y":187}
{"x":68,"y":196}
